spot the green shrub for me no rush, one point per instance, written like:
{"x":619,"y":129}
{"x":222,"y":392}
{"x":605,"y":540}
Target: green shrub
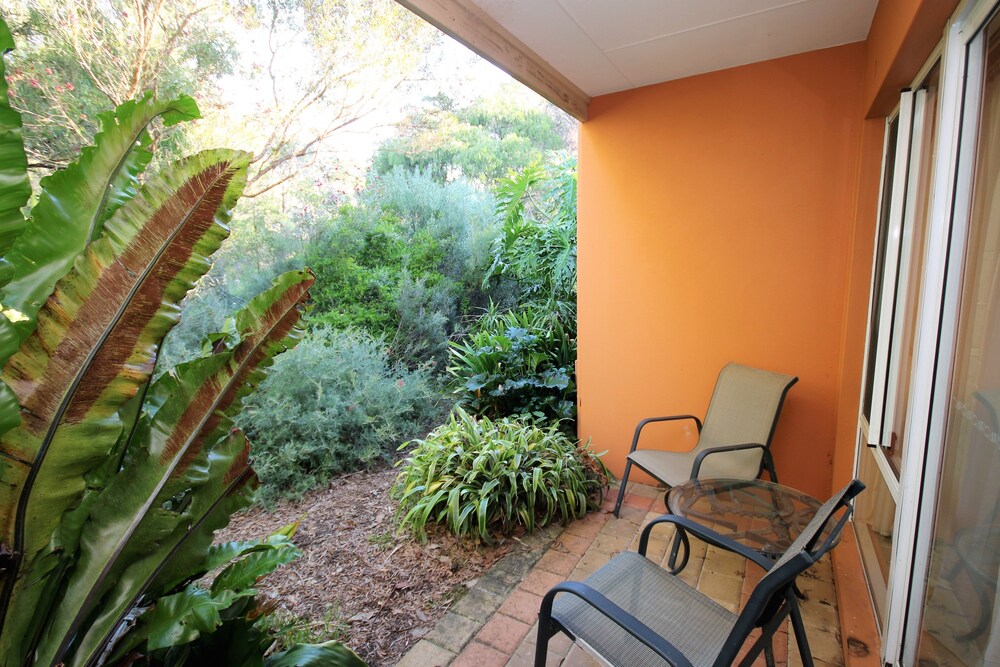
{"x":537,"y":245}
{"x":475,"y":475}
{"x":336,"y":405}
{"x":519,"y":364}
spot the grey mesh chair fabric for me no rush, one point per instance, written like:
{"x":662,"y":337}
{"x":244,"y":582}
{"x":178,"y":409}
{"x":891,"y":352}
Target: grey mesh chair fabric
{"x":634,"y":613}
{"x":735,"y":439}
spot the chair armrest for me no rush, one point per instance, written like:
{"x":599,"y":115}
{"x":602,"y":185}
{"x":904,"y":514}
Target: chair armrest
{"x":619,"y":616}
{"x":705,"y":453}
{"x":705,"y":534}
{"x":650,"y":420}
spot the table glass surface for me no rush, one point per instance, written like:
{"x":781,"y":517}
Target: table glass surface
{"x":762,"y":515}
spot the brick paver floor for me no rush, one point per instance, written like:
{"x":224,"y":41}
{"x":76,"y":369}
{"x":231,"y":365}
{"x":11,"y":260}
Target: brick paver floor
{"x":495,"y":624}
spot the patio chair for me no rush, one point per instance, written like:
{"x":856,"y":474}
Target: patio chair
{"x":736,"y":434}
{"x":634,"y":613}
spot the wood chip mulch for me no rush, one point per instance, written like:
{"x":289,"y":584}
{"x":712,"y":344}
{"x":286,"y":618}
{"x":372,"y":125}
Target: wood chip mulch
{"x":382,"y":589}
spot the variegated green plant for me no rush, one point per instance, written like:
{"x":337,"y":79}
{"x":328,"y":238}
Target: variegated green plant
{"x":111,"y":486}
{"x":477,"y":476}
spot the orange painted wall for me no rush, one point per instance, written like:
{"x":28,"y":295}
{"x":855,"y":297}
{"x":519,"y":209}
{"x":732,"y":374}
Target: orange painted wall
{"x":901,"y":38}
{"x":716,"y":223}
{"x":862,"y":248}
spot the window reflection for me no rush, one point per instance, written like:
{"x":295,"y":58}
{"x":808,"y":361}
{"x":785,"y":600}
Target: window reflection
{"x":961,"y":613}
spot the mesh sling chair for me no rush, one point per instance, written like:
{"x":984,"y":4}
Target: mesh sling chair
{"x":634,"y":613}
{"x":735,"y":439}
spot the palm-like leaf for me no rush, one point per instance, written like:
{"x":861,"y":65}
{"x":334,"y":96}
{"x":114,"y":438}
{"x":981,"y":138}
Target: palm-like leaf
{"x":74,"y":203}
{"x":110,"y":488}
{"x":134,"y":516}
{"x":95,"y":345}
{"x":14,"y":186}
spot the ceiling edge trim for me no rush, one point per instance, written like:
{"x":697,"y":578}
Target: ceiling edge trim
{"x":481,"y":33}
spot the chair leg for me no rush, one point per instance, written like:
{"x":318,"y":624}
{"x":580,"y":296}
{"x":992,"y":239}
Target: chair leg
{"x":769,"y":654}
{"x":680,"y":537}
{"x":546,"y":628}
{"x":769,"y":466}
{"x":765,"y":642}
{"x":800,"y":630}
{"x":621,"y":490}
{"x":542,"y":640}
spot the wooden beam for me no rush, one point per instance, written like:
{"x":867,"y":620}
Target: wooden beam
{"x":471,"y":26}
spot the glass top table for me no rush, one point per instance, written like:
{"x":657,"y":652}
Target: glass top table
{"x":762,"y":515}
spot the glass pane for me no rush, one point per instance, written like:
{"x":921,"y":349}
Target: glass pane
{"x":960,"y":623}
{"x":882,"y":242}
{"x":875,"y":511}
{"x":906,"y":322}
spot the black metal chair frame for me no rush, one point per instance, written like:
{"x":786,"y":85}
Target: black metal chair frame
{"x":771,"y":602}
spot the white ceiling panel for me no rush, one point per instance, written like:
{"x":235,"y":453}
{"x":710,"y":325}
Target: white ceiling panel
{"x":551,"y":33}
{"x":751,"y":38}
{"x":604,"y":46}
{"x":641,"y":20}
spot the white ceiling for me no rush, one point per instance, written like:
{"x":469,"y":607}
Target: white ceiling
{"x":604,"y":46}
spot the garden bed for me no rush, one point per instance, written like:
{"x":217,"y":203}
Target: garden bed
{"x":356,"y":579}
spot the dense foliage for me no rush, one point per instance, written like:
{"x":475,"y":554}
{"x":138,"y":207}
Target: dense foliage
{"x":518,"y":363}
{"x":537,"y":243}
{"x":404,"y":262}
{"x":280,"y":78}
{"x":478,"y":476}
{"x":334,"y":404}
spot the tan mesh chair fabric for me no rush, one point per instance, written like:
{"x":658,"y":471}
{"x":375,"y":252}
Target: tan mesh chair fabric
{"x":665,"y":604}
{"x":744,"y":409}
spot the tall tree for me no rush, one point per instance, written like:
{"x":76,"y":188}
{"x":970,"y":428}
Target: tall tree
{"x":318,"y":67}
{"x":279,"y":78}
{"x":78,"y":58}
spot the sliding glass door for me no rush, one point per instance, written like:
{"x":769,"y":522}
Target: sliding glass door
{"x":959,"y":617}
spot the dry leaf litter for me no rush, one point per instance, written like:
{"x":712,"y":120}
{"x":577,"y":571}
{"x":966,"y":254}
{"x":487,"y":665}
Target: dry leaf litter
{"x":382,"y":589}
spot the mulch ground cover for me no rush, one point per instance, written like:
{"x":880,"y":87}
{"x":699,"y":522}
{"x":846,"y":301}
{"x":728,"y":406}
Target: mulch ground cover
{"x":357,"y":579}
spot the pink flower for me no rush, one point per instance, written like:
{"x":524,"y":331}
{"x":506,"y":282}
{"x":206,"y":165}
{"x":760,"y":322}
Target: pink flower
{"x":48,"y":70}
{"x":33,"y":82}
{"x":69,"y":86}
{"x":400,"y":384}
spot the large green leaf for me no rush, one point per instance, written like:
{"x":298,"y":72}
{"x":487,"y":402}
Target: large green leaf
{"x":219,"y":476}
{"x":74,"y":203}
{"x":327,"y":654}
{"x":183,"y":616}
{"x":15,"y":190}
{"x":243,"y":573}
{"x":133,"y":512}
{"x":95,"y":345}
{"x":14,"y":186}
{"x":165,"y":570}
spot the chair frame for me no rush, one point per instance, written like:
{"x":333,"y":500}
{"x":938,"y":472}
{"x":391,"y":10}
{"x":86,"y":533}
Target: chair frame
{"x":766,"y":460}
{"x":771,"y":602}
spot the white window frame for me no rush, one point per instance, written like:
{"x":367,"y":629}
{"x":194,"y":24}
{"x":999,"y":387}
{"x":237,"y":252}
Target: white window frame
{"x":938,"y":320}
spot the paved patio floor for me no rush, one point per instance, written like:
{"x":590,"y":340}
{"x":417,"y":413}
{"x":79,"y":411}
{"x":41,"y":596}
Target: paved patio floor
{"x":495,"y":623}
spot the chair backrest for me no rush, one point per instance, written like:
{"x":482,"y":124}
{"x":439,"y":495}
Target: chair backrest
{"x":771,"y":593}
{"x":744,"y":409}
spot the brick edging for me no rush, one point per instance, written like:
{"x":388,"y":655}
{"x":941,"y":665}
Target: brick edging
{"x":466,"y":616}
